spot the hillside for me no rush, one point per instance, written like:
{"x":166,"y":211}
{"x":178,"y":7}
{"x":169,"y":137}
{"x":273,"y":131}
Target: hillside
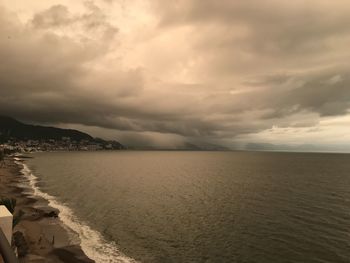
{"x":15,"y":130}
{"x":11,"y":128}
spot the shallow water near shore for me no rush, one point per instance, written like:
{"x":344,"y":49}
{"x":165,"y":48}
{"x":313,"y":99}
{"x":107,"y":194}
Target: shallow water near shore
{"x":91,"y":241}
{"x":201,"y":206}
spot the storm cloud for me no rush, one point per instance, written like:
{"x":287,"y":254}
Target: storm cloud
{"x":154,"y":72}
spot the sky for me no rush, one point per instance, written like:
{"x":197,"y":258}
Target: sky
{"x":243,"y":74}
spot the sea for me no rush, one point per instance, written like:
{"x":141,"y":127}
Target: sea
{"x":183,"y":206}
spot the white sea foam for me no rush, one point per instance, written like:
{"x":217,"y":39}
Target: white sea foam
{"x":91,"y":241}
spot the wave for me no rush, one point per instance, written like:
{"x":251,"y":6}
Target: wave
{"x":91,"y":241}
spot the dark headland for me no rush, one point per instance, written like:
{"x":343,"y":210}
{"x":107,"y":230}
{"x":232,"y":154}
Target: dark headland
{"x":26,"y":137}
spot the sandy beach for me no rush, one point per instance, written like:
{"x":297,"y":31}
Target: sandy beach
{"x":46,"y":239}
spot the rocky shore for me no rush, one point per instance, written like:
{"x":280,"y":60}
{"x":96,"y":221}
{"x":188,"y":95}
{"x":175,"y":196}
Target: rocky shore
{"x":40,"y":236}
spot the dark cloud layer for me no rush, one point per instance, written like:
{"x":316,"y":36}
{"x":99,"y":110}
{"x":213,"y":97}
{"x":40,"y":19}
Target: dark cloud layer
{"x":249,"y":66}
{"x":93,"y":20}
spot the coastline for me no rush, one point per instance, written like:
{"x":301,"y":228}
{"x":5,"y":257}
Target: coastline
{"x":46,"y":237}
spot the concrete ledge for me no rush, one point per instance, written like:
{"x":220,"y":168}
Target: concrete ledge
{"x":6,"y":219}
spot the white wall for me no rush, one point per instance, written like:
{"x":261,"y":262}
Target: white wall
{"x":6,"y":222}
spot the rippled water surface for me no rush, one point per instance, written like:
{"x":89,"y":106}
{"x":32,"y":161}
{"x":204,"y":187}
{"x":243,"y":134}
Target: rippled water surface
{"x":208,"y":206}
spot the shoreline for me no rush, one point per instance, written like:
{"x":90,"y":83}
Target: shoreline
{"x":46,"y":237}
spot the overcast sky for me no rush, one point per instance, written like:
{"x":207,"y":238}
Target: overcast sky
{"x":155,"y":72}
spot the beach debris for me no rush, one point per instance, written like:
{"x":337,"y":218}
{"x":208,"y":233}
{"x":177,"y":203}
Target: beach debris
{"x":53,"y":214}
{"x":40,"y":213}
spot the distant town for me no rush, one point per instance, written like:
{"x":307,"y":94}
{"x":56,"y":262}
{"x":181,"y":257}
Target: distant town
{"x":65,"y":144}
{"x":16,"y":136}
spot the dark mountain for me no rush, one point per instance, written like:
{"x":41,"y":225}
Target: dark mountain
{"x":15,"y":130}
{"x":11,"y":128}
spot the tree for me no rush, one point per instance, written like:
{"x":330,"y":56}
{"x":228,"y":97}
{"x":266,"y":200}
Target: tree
{"x":2,"y":158}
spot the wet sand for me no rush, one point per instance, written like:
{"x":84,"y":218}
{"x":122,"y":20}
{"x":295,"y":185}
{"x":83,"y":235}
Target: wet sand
{"x":47,"y":238}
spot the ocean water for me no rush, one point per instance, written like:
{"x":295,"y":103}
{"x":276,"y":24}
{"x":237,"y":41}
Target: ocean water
{"x":201,"y":206}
